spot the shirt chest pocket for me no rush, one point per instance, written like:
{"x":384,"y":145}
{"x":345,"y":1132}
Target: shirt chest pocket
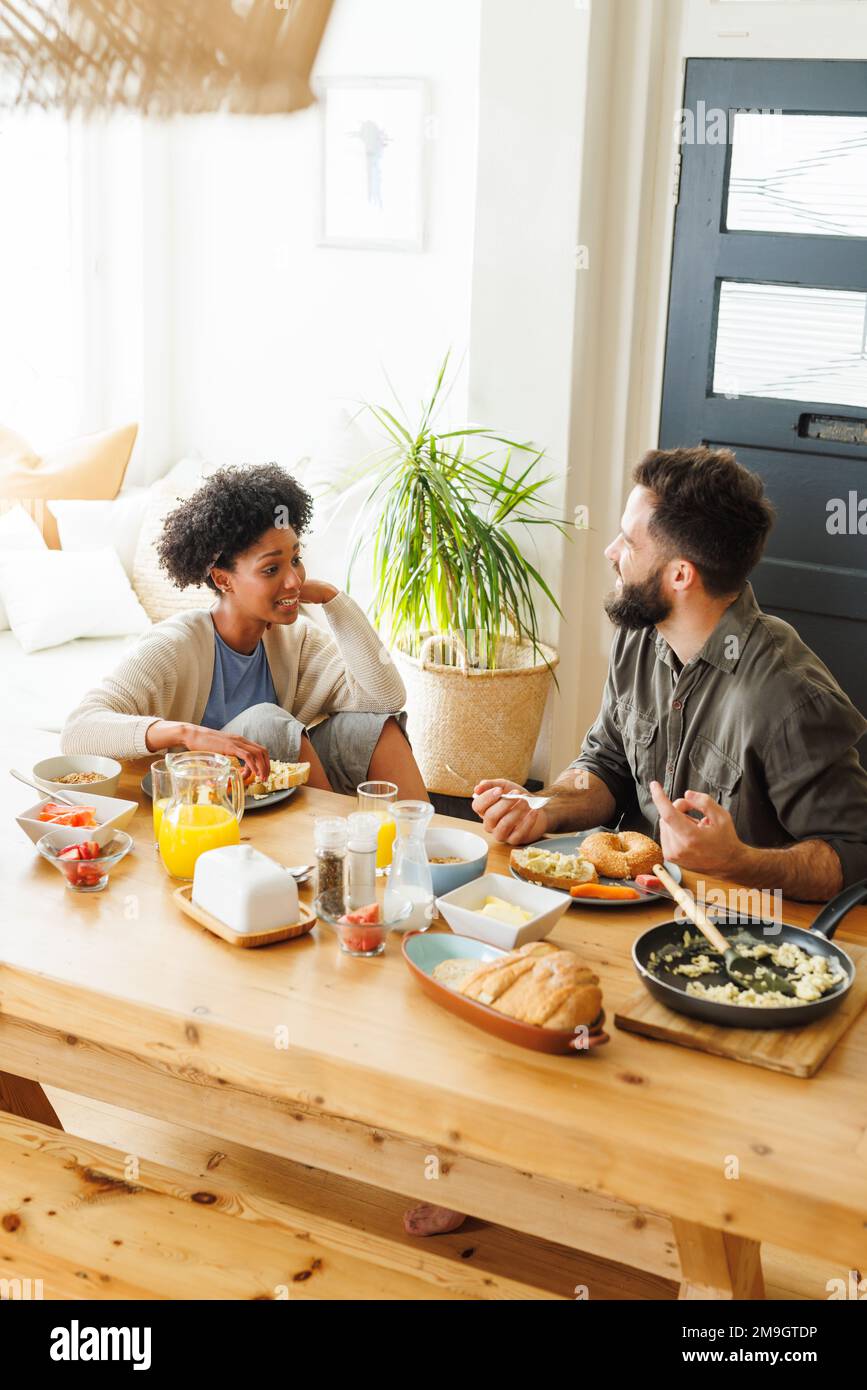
{"x":717,"y":773}
{"x":638,"y":732}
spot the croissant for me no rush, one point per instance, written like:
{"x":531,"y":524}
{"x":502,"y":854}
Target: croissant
{"x":539,"y":983}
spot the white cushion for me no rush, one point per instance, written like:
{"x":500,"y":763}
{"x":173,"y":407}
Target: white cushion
{"x":39,"y":691}
{"x":57,"y":595}
{"x":94,"y":525}
{"x":160,"y":597}
{"x":18,"y":531}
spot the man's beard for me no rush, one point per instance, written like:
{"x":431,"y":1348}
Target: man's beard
{"x":641,"y":605}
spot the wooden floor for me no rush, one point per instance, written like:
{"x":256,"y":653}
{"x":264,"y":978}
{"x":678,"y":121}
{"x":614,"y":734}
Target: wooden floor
{"x":479,"y":1261}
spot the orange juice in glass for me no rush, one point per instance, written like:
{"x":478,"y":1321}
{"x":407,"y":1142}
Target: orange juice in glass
{"x":187,"y":831}
{"x":203,"y":812}
{"x":375,"y":798}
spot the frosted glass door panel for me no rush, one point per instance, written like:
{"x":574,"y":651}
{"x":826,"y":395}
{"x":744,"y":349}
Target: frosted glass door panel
{"x":791,"y":343}
{"x":806,"y":175}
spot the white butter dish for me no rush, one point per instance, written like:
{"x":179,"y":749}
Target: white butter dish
{"x":244,"y":889}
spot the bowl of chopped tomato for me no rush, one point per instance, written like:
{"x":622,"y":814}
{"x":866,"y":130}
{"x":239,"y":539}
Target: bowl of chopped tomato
{"x":101,"y":814}
{"x":85,"y":865}
{"x":362,"y":931}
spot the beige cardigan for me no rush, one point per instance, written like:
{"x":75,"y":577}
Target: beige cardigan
{"x":168,"y":676}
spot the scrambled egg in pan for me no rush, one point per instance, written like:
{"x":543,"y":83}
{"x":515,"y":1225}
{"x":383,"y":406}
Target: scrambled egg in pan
{"x":812,"y":976}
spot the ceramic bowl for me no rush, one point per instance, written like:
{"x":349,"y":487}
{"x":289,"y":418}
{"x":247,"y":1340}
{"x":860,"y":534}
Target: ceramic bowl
{"x":472,"y":850}
{"x":51,"y":769}
{"x":461,"y":910}
{"x":111,"y":814}
{"x":424,"y":952}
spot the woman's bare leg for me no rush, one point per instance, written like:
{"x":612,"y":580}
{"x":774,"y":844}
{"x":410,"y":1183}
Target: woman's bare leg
{"x":318,"y":776}
{"x":393,"y":761}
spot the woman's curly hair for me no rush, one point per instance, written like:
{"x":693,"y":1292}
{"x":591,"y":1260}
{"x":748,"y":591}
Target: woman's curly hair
{"x":227,"y":515}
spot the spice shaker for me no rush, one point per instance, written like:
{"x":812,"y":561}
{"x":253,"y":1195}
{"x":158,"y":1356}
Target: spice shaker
{"x":329,"y":838}
{"x":363,"y":831}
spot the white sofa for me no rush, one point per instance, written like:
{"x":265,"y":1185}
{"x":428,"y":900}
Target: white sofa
{"x":37,"y":691}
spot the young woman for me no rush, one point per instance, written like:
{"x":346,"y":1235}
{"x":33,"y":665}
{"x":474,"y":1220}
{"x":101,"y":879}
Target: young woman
{"x":252,"y":675}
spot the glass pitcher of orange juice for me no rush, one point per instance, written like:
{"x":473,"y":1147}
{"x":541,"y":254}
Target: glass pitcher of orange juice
{"x":203,"y":812}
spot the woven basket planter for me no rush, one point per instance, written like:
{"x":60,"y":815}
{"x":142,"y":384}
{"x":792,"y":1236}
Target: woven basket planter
{"x":467,"y":724}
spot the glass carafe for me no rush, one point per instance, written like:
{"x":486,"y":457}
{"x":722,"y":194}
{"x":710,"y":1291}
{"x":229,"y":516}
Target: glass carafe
{"x":203,"y":812}
{"x":410,"y":877}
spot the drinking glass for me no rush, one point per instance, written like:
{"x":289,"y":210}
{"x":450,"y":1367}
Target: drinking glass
{"x":161,"y":787}
{"x":376,"y":798}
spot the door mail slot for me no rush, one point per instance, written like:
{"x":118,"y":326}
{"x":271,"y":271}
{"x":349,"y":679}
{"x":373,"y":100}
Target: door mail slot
{"x":838,"y":429}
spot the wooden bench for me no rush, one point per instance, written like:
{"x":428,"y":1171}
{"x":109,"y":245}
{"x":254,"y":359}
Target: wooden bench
{"x":206,"y":1222}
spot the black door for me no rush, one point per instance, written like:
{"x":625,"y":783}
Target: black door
{"x":767,"y":333}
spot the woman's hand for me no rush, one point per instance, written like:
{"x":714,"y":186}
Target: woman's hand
{"x":257,"y":763}
{"x":317,"y":591}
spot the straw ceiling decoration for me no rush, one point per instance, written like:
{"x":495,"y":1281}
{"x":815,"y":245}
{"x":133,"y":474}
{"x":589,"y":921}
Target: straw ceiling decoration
{"x":159,"y":57}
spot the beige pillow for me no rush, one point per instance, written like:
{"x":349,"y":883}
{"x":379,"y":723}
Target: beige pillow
{"x":91,"y":467}
{"x":157,"y":594}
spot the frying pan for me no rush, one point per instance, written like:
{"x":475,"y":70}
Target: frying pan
{"x":816,"y":940}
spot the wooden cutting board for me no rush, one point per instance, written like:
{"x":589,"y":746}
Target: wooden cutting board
{"x":797,"y":1051}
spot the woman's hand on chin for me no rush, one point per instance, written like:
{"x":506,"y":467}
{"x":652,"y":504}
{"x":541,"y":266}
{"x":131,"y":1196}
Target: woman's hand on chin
{"x":317,"y":591}
{"x":255,"y":758}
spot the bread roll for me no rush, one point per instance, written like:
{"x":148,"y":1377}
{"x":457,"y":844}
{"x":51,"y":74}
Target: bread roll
{"x":538,"y":984}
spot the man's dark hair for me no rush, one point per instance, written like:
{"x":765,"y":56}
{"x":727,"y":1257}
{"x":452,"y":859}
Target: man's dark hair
{"x":709,"y":509}
{"x":227,"y":515}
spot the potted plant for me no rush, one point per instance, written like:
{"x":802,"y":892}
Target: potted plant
{"x":456,"y":593}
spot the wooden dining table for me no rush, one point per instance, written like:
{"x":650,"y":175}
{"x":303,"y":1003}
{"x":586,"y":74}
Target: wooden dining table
{"x":301,"y":1054}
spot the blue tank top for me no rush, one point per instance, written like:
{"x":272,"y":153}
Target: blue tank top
{"x":239,"y":682}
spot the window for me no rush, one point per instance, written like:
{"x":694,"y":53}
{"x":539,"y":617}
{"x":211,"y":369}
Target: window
{"x":42,"y":325}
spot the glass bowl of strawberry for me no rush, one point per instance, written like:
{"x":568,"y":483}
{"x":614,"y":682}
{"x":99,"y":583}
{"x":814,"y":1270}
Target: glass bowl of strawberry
{"x":362,"y":931}
{"x":85,"y":864}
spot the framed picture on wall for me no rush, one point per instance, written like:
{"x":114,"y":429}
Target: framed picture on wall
{"x":373,"y":162}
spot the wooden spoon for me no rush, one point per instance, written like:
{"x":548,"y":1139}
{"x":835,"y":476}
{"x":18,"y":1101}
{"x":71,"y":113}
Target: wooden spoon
{"x":740,"y":969}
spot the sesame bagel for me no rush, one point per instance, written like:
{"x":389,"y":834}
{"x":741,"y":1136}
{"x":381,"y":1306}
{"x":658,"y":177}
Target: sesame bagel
{"x":623,"y":855}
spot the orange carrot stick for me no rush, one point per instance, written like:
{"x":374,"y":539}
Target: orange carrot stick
{"x":603,"y":890}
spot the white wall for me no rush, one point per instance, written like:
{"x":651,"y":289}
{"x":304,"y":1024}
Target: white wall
{"x":276,"y":339}
{"x":532,"y":120}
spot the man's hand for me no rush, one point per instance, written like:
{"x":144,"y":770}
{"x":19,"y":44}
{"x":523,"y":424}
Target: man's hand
{"x":710,"y":845}
{"x":510,"y":822}
{"x":317,"y":591}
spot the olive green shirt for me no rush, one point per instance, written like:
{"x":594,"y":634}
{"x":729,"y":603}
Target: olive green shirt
{"x":754,"y":719}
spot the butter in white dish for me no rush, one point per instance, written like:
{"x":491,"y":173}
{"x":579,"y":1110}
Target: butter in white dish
{"x":245,"y":889}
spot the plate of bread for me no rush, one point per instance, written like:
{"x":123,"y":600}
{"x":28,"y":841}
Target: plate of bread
{"x":596,"y":868}
{"x":540,"y":996}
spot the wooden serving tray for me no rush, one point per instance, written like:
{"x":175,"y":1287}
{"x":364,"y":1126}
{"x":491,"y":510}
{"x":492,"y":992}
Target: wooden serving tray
{"x":183,"y":896}
{"x":796,"y":1051}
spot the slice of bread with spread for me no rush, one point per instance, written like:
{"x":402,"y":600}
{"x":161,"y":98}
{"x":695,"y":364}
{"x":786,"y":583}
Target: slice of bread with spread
{"x":551,"y":869}
{"x":281,"y":777}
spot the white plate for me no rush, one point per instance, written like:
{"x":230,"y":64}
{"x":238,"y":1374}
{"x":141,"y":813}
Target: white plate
{"x":569,"y":844}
